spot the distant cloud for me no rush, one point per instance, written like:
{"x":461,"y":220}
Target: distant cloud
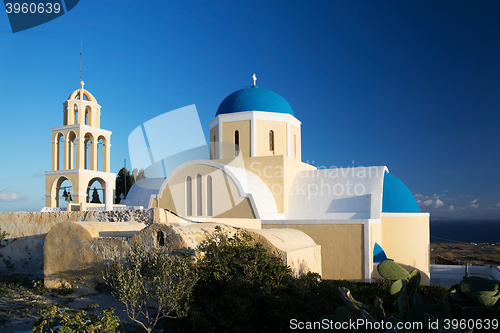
{"x":428,"y":202}
{"x":438,"y":203}
{"x":473,"y":204}
{"x":37,"y":175}
{"x":451,"y":208}
{"x":10,"y":196}
{"x":498,"y":204}
{"x":433,"y":197}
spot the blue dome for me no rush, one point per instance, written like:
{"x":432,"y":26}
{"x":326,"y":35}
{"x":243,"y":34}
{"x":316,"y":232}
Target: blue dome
{"x":397,"y":198}
{"x":254,"y":99}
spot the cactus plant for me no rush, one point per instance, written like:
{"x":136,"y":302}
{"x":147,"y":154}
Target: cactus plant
{"x":390,"y":270}
{"x":474,"y":297}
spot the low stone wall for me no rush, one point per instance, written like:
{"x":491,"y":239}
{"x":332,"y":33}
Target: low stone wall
{"x":23,"y":253}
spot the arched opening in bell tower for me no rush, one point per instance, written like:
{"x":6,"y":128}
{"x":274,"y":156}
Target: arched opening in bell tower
{"x":101,"y":153}
{"x":88,"y":152}
{"x":71,"y":150}
{"x":75,"y":110}
{"x":59,"y":150}
{"x":62,"y":191}
{"x":95,"y":191}
{"x":87,"y":115}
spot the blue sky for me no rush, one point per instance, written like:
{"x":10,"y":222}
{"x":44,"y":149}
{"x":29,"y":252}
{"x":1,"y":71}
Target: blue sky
{"x":411,"y":85}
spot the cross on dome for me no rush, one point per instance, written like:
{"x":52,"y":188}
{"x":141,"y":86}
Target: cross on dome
{"x":254,"y":79}
{"x":82,"y":84}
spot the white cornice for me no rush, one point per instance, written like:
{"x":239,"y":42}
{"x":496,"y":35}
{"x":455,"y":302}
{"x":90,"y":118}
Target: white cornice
{"x":85,"y":127}
{"x":404,"y":214}
{"x":255,"y":115}
{"x":80,"y":171}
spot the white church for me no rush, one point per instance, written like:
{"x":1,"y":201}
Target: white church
{"x":253,"y":177}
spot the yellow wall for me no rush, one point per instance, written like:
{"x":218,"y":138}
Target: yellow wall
{"x":405,"y":239}
{"x":243,"y":126}
{"x":280,"y":137}
{"x":342,"y":248}
{"x":277,"y":172}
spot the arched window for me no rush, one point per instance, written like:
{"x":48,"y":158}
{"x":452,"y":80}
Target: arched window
{"x":236,"y":142}
{"x":75,"y":109}
{"x":271,"y":141}
{"x":215,"y":149}
{"x":209,"y":196}
{"x":199,"y":200}
{"x":189,"y":197}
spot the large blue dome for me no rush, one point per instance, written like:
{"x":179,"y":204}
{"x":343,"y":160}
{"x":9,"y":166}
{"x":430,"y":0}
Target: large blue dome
{"x":254,"y":99}
{"x":397,"y":198}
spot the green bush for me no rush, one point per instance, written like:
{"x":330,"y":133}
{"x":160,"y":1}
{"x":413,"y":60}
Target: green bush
{"x":76,"y":321}
{"x":241,"y":287}
{"x":152,"y":284}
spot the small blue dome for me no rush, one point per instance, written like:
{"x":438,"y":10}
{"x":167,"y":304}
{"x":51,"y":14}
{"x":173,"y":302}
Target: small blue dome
{"x":254,"y":99}
{"x":397,"y":198}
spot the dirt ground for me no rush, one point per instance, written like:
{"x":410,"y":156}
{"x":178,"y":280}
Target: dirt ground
{"x":480,"y":254}
{"x":22,"y":301}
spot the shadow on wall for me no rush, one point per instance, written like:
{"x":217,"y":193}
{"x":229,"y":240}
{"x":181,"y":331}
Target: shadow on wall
{"x":23,"y":255}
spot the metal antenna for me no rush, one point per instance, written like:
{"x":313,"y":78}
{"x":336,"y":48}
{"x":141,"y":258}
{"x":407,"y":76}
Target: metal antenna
{"x":81,"y":61}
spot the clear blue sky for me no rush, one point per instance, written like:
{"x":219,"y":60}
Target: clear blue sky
{"x":413,"y":85}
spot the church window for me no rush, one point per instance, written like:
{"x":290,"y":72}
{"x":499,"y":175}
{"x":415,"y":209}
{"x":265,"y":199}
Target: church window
{"x":209,"y":196}
{"x":271,"y":141}
{"x":189,"y":197}
{"x":212,"y":149}
{"x":199,"y":200}
{"x":236,"y":142}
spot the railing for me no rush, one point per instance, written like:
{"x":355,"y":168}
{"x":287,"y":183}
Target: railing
{"x":53,"y":209}
{"x":91,"y":209}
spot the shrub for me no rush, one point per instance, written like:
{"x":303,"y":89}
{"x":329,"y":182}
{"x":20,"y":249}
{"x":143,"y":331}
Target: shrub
{"x":152,"y":284}
{"x":54,"y":319}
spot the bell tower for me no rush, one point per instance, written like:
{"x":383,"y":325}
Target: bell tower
{"x":80,"y":157}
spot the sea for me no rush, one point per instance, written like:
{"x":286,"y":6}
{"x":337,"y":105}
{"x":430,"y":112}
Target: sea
{"x":465,"y":231}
